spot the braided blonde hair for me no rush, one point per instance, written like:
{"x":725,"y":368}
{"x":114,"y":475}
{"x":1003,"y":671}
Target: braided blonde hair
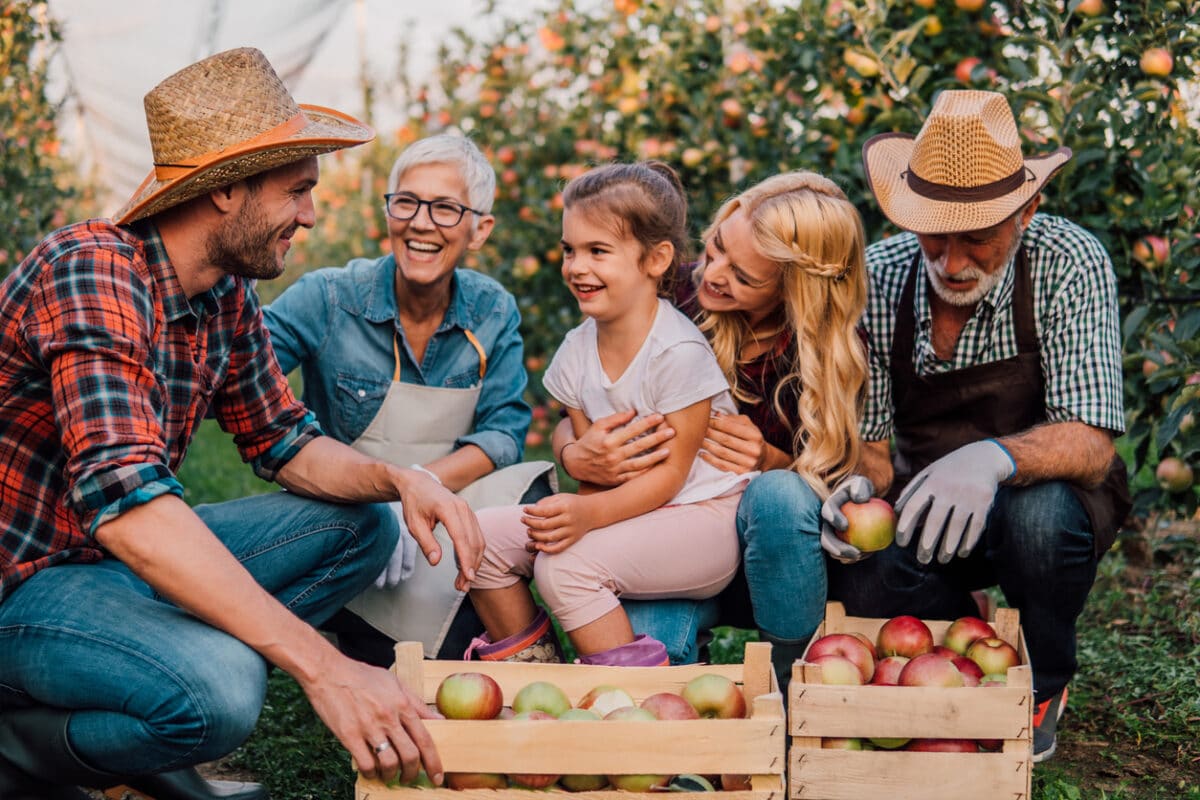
{"x":805,"y":223}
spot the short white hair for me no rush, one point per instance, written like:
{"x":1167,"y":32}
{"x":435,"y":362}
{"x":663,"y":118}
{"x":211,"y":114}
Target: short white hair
{"x":447,"y":148}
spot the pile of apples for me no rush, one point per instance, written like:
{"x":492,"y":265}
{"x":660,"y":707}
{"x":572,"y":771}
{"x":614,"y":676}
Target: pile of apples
{"x":905,"y":654}
{"x":476,"y":696}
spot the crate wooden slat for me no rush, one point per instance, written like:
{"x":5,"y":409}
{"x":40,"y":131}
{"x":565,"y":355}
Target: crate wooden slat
{"x":823,"y":774}
{"x":754,"y":746}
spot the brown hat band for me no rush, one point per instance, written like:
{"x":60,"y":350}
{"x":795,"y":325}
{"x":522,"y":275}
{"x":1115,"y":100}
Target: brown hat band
{"x":166,"y":172}
{"x":968,"y":194}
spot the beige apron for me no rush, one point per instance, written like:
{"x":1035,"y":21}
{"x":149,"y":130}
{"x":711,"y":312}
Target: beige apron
{"x":415,"y":425}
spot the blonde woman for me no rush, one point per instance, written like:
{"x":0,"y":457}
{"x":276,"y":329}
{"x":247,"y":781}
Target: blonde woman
{"x":779,"y":293}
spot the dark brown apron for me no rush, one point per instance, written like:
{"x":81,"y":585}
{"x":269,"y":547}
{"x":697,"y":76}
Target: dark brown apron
{"x":938,"y":413}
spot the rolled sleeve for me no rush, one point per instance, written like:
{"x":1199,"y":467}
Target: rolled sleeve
{"x":499,"y":447}
{"x":132,"y":486}
{"x":267,"y":465}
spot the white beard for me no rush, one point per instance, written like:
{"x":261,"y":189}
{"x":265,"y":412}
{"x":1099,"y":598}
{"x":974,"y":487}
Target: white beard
{"x":984,"y":282}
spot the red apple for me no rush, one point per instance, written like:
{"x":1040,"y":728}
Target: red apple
{"x":469,"y":695}
{"x":930,"y":670}
{"x":541,"y":696}
{"x":971,"y":671}
{"x":871,"y":525}
{"x":668,"y":705}
{"x":887,"y":671}
{"x":736,"y":783}
{"x":1173,"y":475}
{"x":945,"y":652}
{"x":581,"y":783}
{"x":715,"y":696}
{"x":836,"y":743}
{"x":476,"y":780}
{"x":993,"y":655}
{"x":942,"y":746}
{"x":606,"y":698}
{"x":838,"y":670}
{"x":1090,"y":8}
{"x":848,"y":647}
{"x":904,"y":636}
{"x":862,"y":637}
{"x":635,"y":783}
{"x":962,"y":70}
{"x":1157,"y":61}
{"x":533,"y":781}
{"x":1151,"y":251}
{"x":965,"y":630}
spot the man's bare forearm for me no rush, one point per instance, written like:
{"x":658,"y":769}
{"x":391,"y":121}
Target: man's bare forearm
{"x":1067,"y":451}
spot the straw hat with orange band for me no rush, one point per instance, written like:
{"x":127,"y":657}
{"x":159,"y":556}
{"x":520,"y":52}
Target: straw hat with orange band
{"x":226,"y":118}
{"x":964,"y":171}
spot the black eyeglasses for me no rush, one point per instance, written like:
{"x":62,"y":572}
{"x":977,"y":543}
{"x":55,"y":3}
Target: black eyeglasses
{"x":444,"y":213}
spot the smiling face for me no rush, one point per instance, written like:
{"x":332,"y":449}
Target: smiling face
{"x":606,"y":269}
{"x":734,"y":275}
{"x":426,"y":254}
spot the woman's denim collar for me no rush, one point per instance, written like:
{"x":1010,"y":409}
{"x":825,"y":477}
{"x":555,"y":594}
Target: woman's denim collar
{"x":380,"y":302}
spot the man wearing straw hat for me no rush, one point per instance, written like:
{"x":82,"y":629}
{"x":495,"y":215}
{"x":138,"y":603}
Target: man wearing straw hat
{"x":136,"y":632}
{"x":996,"y":370}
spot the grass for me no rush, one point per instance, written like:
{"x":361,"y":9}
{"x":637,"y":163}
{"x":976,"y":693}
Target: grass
{"x":1129,"y":733}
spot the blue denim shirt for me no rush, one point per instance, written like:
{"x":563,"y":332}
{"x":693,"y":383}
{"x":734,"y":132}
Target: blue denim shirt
{"x":337,"y":325}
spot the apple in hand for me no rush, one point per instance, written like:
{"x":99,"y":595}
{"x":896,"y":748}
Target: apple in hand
{"x":930,"y":670}
{"x":965,"y":630}
{"x":715,"y":696}
{"x":904,"y":636}
{"x":533,"y":781}
{"x":605,"y":698}
{"x":668,"y":705}
{"x":871,"y":525}
{"x":541,"y":696}
{"x":469,"y":695}
{"x":848,"y":647}
{"x":993,"y":655}
{"x":887,"y":671}
{"x":838,"y":670}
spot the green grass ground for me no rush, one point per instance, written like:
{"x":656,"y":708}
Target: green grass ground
{"x":1131,"y":731}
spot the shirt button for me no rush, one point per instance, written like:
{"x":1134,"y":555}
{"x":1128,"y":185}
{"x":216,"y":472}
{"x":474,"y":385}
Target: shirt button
{"x":362,"y":393}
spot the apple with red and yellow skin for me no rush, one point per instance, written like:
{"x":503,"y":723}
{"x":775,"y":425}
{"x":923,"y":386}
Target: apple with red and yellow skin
{"x":1090,"y":8}
{"x":942,"y":746}
{"x":541,"y":696}
{"x":605,"y":698}
{"x":839,"y":743}
{"x":862,"y":637}
{"x":715,"y":696}
{"x":994,"y":679}
{"x":904,"y":636}
{"x":422,"y":781}
{"x":1151,"y":251}
{"x":838,"y":670}
{"x":965,"y":630}
{"x":476,"y":780}
{"x":887,"y":671}
{"x":581,"y":783}
{"x":736,"y":783}
{"x":848,"y":647}
{"x":1173,"y":475}
{"x":668,"y":705}
{"x":533,"y":781}
{"x":993,"y":654}
{"x":1157,"y":61}
{"x":871,"y":526}
{"x":970,"y":5}
{"x":469,"y":695}
{"x":635,"y":783}
{"x":942,"y":650}
{"x":930,"y":670}
{"x":962,"y":70}
{"x":971,"y":672}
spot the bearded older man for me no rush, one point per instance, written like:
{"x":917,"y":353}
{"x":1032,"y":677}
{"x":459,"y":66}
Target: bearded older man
{"x":996,"y":369}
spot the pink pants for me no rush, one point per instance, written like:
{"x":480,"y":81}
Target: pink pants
{"x":675,"y":551}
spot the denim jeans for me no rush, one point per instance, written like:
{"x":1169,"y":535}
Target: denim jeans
{"x":778,"y":526}
{"x":154,"y":688}
{"x":1037,"y":547}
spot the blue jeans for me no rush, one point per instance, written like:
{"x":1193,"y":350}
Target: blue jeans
{"x":778,"y":525}
{"x":1037,"y":547}
{"x":153,"y":688}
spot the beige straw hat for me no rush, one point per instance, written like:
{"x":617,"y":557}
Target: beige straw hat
{"x":963,"y":172}
{"x":224,"y":119}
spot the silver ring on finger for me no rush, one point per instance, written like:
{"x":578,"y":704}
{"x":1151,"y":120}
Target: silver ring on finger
{"x":381,"y":747}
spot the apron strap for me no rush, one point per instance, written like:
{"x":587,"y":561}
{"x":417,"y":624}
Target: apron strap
{"x":470,"y":338}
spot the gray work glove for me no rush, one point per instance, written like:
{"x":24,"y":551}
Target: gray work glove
{"x":953,"y":495}
{"x":854,"y":488}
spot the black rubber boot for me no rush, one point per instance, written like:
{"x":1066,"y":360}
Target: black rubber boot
{"x":187,"y":784}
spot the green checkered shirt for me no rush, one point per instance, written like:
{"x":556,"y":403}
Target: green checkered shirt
{"x":1075,"y":306}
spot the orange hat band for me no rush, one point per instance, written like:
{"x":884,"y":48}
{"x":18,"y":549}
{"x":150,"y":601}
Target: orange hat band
{"x":166,"y":172}
{"x":968,"y":194}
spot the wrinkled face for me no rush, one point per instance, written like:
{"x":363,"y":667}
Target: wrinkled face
{"x":253,"y":241}
{"x":734,"y":275}
{"x":964,"y":267}
{"x":602,"y":267}
{"x":427,"y":253}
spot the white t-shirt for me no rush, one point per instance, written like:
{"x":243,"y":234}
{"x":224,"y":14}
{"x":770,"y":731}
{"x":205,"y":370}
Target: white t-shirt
{"x":674,"y":369}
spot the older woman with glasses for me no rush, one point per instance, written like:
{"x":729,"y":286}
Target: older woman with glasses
{"x":415,"y":360}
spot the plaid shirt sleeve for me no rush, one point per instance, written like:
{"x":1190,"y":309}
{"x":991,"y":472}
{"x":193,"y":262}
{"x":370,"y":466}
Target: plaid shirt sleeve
{"x":256,"y":404}
{"x":90,"y":321}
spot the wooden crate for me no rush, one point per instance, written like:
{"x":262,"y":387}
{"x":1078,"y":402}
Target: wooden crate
{"x":816,"y":710}
{"x":754,"y":746}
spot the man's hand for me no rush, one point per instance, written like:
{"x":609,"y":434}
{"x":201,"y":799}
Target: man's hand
{"x":376,"y":718}
{"x":426,"y":503}
{"x":853,"y":489}
{"x":556,"y":522}
{"x":616,"y":448}
{"x":733,"y":443}
{"x":953,"y":496}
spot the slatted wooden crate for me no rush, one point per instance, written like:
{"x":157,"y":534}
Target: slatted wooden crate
{"x":816,"y":711}
{"x":754,"y":746}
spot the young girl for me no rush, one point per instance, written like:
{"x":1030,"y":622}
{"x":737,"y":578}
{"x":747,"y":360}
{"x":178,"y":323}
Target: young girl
{"x":669,"y":532}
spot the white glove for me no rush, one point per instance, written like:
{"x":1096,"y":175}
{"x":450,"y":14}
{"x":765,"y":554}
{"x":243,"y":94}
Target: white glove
{"x":854,"y":488}
{"x":953,"y":495}
{"x":404,"y":558}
